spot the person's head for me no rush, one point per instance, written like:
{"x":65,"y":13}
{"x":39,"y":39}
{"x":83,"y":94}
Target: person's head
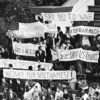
{"x":67,"y":42}
{"x":10,"y":66}
{"x":67,"y":29}
{"x":96,"y":94}
{"x":10,"y":90}
{"x":98,"y":37}
{"x":49,"y":89}
{"x":30,"y":68}
{"x":39,"y":48}
{"x":65,"y":91}
{"x":59,"y":29}
{"x":18,"y":81}
{"x":58,"y":89}
{"x":39,"y":67}
{"x":72,"y":67}
{"x":3,"y":80}
{"x":10,"y":81}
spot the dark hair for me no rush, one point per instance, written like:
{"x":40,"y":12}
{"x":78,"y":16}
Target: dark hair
{"x":30,"y":68}
{"x":58,"y":28}
{"x":10,"y":65}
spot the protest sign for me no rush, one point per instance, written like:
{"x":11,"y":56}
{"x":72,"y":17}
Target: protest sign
{"x":26,"y":49}
{"x":85,"y":30}
{"x":38,"y":75}
{"x":24,"y":64}
{"x":89,"y":16}
{"x":79,"y":54}
{"x":76,"y":54}
{"x":31,"y":30}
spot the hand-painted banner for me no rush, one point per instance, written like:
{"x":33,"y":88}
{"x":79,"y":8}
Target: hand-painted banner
{"x":85,"y":30}
{"x":38,"y":75}
{"x":26,"y":49}
{"x":77,"y":54}
{"x":30,"y":30}
{"x":24,"y":64}
{"x":89,"y":16}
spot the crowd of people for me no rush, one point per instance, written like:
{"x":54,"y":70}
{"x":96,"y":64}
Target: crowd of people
{"x":78,"y":88}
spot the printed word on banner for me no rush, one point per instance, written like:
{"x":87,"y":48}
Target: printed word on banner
{"x":38,"y":75}
{"x":26,"y":49}
{"x":24,"y":64}
{"x":28,"y":30}
{"x":79,"y":54}
{"x":85,"y":30}
{"x":68,"y":16}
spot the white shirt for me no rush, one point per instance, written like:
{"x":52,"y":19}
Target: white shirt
{"x":85,"y":96}
{"x":73,"y":76}
{"x":58,"y":95}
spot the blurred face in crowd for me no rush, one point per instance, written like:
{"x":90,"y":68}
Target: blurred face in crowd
{"x":98,"y":38}
{"x":58,"y":89}
{"x":49,"y":90}
{"x":18,"y":81}
{"x":3,"y":80}
{"x":65,"y":91}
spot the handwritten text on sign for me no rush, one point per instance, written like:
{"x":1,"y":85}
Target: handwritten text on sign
{"x":40,"y":75}
{"x":26,"y":49}
{"x":24,"y":64}
{"x":76,"y":54}
{"x":68,"y":16}
{"x":85,"y":30}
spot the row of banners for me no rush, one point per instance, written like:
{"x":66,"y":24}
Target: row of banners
{"x":40,"y":75}
{"x":24,"y":64}
{"x":63,"y":55}
{"x":76,"y":54}
{"x":30,"y":30}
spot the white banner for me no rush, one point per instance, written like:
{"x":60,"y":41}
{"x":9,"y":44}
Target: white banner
{"x":85,"y":30}
{"x":30,"y":30}
{"x":89,"y":16}
{"x":24,"y":64}
{"x":38,"y":75}
{"x":76,"y":54}
{"x":26,"y":49}
{"x":79,"y":54}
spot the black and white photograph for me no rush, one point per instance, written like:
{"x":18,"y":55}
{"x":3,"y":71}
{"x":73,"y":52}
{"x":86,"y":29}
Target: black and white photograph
{"x":49,"y":49}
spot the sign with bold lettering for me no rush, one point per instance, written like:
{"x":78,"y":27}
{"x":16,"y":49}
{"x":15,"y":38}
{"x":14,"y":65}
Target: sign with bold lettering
{"x":77,"y":54}
{"x":89,"y":16}
{"x":26,"y":49}
{"x":85,"y":30}
{"x":38,"y":75}
{"x":24,"y":64}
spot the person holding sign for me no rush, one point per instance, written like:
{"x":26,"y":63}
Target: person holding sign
{"x":40,"y":55}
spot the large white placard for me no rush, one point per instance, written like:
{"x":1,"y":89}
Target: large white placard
{"x":24,"y":64}
{"x":89,"y":16}
{"x":85,"y":30}
{"x":30,"y":30}
{"x":77,"y":54}
{"x":26,"y":49}
{"x":38,"y":75}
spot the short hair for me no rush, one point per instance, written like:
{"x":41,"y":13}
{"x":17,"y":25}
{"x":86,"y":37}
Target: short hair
{"x":30,"y":68}
{"x":58,"y":28}
{"x":10,"y":65}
